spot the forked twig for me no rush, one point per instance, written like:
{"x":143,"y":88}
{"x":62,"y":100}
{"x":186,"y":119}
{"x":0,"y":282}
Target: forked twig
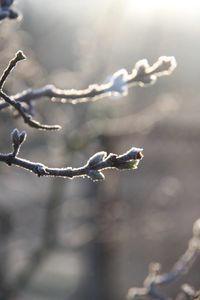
{"x":17,"y":105}
{"x":28,"y":119}
{"x":182,"y":266}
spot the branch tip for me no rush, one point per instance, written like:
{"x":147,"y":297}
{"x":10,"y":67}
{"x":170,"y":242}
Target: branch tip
{"x":142,"y":75}
{"x":92,"y":169}
{"x":20,"y":55}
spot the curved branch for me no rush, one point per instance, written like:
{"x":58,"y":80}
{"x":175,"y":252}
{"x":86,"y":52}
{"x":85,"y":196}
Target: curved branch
{"x":28,"y":119}
{"x":17,"y":105}
{"x":12,"y":64}
{"x":92,"y":169}
{"x":142,"y":75}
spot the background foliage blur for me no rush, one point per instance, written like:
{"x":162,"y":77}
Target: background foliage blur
{"x":63,"y":239}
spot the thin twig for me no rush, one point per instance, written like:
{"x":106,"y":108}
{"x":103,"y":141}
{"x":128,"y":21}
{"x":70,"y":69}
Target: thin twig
{"x":182,"y":266}
{"x":142,"y":75}
{"x":92,"y":169}
{"x":18,"y":106}
{"x":28,"y":119}
{"x":18,"y":57}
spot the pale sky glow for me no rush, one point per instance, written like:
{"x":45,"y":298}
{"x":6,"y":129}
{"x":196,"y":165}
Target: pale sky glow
{"x":152,"y":6}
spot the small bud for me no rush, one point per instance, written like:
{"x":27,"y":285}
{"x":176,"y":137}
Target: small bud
{"x":40,"y":170}
{"x":15,"y":135}
{"x":97,"y":158}
{"x":22,"y":136}
{"x":120,"y":82}
{"x":20,"y":55}
{"x":96,"y":175}
{"x":128,"y":165}
{"x":141,"y":67}
{"x":168,"y":63}
{"x":18,"y":137}
{"x":112,"y":157}
{"x":132,"y":154}
{"x":164,"y":66}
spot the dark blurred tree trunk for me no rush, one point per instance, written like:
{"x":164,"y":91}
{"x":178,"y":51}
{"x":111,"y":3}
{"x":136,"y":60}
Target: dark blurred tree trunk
{"x":53,"y":210}
{"x":101,"y":250}
{"x":5,"y":231}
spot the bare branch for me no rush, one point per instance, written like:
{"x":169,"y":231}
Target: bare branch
{"x":142,"y":75}
{"x":28,"y":119}
{"x":17,"y":105}
{"x":18,"y":57}
{"x":92,"y":169}
{"x":182,"y":266}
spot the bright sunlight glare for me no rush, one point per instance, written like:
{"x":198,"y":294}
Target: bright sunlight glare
{"x":151,"y":6}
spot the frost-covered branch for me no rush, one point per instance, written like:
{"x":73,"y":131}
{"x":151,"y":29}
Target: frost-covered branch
{"x":92,"y":169}
{"x":143,"y":74}
{"x":182,"y":266}
{"x":17,"y":105}
{"x":119,"y":83}
{"x":11,"y":65}
{"x":28,"y":119}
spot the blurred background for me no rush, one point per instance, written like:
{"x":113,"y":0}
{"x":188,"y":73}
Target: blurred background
{"x":74,"y":239}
